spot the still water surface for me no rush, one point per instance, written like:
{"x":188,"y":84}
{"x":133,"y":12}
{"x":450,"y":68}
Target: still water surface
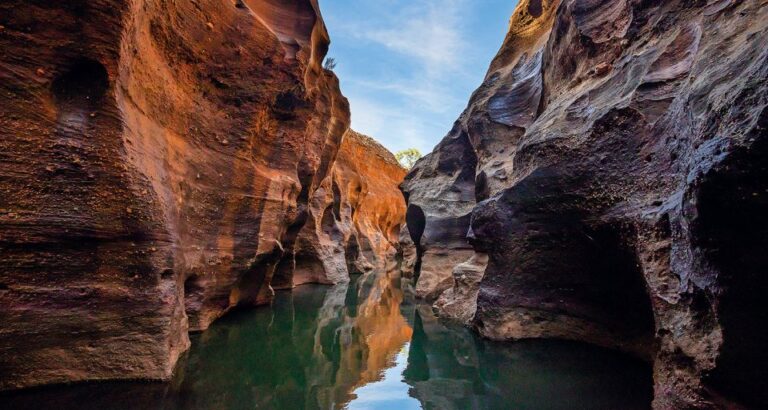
{"x":365,"y":345}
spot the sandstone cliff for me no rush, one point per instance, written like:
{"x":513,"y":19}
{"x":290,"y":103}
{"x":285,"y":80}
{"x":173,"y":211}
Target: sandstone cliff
{"x":607,"y":183}
{"x":354,"y":218}
{"x":158,"y":160}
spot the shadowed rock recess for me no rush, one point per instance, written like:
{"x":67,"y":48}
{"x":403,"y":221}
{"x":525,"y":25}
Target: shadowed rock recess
{"x":162,"y":162}
{"x":608,"y":183}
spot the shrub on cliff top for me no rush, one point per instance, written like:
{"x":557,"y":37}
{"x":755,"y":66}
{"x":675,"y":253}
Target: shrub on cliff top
{"x":408,"y":157}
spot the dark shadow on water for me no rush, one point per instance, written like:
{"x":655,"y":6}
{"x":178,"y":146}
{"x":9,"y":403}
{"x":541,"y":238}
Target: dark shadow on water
{"x":449,"y":367}
{"x":348,"y":345}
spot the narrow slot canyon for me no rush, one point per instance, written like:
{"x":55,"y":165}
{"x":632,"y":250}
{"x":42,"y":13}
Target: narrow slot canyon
{"x":223,"y":204}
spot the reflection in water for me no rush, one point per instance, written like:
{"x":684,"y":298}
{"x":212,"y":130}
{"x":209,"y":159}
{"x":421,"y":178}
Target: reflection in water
{"x":391,"y":392}
{"x":362,"y":346}
{"x":360,"y":331}
{"x":451,"y":368}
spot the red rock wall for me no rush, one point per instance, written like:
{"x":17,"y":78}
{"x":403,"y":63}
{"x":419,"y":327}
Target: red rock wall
{"x":354,"y":218}
{"x":157,"y":160}
{"x":368,"y":177}
{"x":611,"y":172}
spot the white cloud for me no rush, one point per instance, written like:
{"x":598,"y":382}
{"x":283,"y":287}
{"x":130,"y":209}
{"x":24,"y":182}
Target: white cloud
{"x":430,"y":35}
{"x":398,"y":128}
{"x":423,"y":94}
{"x":430,"y":31}
{"x":422,"y":47}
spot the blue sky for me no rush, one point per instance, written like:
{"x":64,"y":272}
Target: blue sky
{"x":408,"y":67}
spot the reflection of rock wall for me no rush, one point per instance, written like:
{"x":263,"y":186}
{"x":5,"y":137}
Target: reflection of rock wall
{"x":451,"y":368}
{"x":610,"y":167}
{"x":309,"y":351}
{"x":157,"y":160}
{"x":359,"y":335}
{"x":354,"y":217}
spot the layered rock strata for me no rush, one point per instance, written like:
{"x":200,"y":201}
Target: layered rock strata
{"x":612,"y":168}
{"x":157,"y":161}
{"x":354,"y":218}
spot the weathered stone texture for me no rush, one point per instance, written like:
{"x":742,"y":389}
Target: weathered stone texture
{"x":157,"y":160}
{"x":355,"y":217}
{"x":612,"y":167}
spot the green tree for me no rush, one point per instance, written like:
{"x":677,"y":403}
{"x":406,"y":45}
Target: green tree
{"x":408,"y":157}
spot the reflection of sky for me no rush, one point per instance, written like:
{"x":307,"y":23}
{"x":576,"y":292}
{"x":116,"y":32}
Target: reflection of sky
{"x":408,"y":67}
{"x":391,"y":392}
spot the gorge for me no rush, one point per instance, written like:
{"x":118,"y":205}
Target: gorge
{"x":608,"y":177}
{"x":178,"y":178}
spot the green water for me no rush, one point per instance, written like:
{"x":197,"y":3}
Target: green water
{"x":366,"y":345}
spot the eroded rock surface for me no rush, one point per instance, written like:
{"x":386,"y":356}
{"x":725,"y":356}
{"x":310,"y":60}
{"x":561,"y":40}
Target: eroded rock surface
{"x":158,"y":159}
{"x":459,"y":302}
{"x":612,"y":167}
{"x":355,"y":216}
{"x":441,"y":195}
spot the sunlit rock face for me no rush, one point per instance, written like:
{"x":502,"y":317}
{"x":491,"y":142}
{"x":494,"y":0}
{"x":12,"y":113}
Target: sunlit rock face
{"x":291,"y":21}
{"x":611,"y":167}
{"x":459,"y":302}
{"x":158,"y":158}
{"x":354,"y":218}
{"x":407,"y":256}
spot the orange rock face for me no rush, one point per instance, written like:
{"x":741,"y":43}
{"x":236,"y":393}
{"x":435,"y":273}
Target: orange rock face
{"x":157,"y":160}
{"x":355,"y":217}
{"x":366,"y":174}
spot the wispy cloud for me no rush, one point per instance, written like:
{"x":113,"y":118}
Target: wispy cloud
{"x":408,"y":66}
{"x":429,"y":31}
{"x":427,"y":35}
{"x":402,"y":128}
{"x":430,"y":95}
